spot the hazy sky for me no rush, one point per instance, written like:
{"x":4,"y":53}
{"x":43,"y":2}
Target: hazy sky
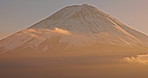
{"x":19,"y":14}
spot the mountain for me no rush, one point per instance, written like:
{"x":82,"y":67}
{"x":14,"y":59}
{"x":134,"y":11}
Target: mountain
{"x":77,"y":29}
{"x":3,"y":35}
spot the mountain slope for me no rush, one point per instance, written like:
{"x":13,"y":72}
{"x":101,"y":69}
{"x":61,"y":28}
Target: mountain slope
{"x":3,"y":35}
{"x":74,"y":27}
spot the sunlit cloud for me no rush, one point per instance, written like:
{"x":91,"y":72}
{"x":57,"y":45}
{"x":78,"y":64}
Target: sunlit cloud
{"x":58,"y":30}
{"x":41,"y":33}
{"x":142,"y":59}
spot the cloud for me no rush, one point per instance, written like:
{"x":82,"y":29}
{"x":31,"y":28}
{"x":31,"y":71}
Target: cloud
{"x":141,"y":59}
{"x":40,"y":31}
{"x":58,"y":30}
{"x":43,"y":34}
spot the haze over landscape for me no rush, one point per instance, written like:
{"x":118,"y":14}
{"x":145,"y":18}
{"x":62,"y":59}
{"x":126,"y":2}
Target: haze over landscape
{"x":78,"y":41}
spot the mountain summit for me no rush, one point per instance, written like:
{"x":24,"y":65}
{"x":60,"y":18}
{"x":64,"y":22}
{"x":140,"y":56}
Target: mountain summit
{"x":71,"y":28}
{"x":78,"y":18}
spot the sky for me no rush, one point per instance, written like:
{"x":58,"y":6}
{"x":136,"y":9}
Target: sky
{"x":16,"y":15}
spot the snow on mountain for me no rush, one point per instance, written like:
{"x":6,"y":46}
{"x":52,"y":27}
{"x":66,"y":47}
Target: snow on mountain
{"x":3,"y":35}
{"x":74,"y":27}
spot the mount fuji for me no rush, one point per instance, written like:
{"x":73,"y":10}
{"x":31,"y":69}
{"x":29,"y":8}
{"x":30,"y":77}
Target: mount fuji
{"x":75,"y":30}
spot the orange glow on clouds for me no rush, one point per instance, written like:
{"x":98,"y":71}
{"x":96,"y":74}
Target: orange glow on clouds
{"x":58,"y":30}
{"x":142,"y":59}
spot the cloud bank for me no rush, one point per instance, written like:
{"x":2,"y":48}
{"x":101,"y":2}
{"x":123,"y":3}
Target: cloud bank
{"x":141,"y":59}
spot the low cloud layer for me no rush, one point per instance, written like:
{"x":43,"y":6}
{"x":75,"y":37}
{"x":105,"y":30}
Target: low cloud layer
{"x":142,"y":59}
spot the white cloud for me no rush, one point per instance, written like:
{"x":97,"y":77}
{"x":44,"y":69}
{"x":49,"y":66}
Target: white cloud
{"x":142,"y":59}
